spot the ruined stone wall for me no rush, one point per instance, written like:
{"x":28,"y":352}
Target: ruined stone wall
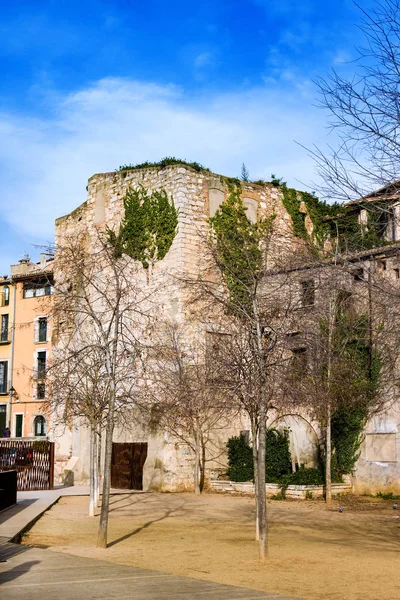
{"x":196,"y":196}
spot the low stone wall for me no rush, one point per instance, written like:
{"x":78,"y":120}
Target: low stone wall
{"x":293,"y":491}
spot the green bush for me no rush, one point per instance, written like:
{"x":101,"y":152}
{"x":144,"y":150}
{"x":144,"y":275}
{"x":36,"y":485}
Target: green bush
{"x":305,"y":476}
{"x":278,"y":461}
{"x":240,"y":459}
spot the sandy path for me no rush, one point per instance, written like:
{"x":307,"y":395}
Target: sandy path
{"x":315,"y":553}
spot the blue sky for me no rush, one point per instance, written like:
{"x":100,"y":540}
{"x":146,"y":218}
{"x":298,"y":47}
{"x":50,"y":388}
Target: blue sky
{"x":87,"y":86}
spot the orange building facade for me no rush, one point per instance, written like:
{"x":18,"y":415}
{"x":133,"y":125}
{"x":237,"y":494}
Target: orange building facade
{"x":26,"y":349}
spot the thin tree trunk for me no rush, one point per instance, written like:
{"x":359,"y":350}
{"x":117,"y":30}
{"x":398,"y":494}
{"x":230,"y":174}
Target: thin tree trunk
{"x":95,"y":465}
{"x":105,"y":501}
{"x":98,"y":467}
{"x":202,"y":466}
{"x":196,"y":473}
{"x":92,"y":473}
{"x":255,"y":471}
{"x":261,"y":499}
{"x":328,"y":455}
{"x":328,"y":437}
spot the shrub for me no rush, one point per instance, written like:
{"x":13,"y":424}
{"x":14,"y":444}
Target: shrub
{"x":306,"y":476}
{"x":240,"y":459}
{"x":278,"y":460}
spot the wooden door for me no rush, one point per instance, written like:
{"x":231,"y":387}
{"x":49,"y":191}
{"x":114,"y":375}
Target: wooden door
{"x":127,"y":465}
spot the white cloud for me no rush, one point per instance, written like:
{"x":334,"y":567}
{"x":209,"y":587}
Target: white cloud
{"x":45,"y":164}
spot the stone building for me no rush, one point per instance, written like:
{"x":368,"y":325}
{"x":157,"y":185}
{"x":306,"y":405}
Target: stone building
{"x":197,"y":194}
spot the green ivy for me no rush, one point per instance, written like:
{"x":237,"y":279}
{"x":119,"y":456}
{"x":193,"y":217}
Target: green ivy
{"x":164,"y":162}
{"x":238,"y":245}
{"x":148,"y":228}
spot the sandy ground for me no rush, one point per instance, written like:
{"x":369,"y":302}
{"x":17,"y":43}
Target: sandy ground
{"x":315,"y":553}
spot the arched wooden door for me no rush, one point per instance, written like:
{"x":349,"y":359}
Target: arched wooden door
{"x":127,"y":465}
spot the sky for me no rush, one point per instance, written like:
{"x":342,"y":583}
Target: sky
{"x":88,"y":86}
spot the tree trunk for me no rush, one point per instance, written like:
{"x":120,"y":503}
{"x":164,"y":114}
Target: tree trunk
{"x":105,"y":501}
{"x":92,"y":473}
{"x":255,"y":471}
{"x":328,"y":455}
{"x":98,"y":467}
{"x":261,"y":496}
{"x":196,"y":473}
{"x":202,"y":466}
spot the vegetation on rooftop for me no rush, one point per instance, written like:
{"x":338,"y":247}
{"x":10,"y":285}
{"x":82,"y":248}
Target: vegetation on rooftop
{"x":164,"y":162}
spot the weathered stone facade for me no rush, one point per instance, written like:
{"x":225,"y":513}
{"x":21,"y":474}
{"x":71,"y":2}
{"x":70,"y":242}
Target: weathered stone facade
{"x":197,"y":195}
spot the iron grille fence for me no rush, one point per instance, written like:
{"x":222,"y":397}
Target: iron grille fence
{"x":33,"y":461}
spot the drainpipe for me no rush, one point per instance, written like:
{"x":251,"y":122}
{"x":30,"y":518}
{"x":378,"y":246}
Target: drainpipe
{"x":11,"y":391}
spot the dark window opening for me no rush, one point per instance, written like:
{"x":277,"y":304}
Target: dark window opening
{"x":397,"y":273}
{"x":41,"y":391}
{"x":5,"y":296}
{"x":300,"y":360}
{"x":358,"y":275}
{"x":42,"y":337}
{"x":3,"y":376}
{"x":19,"y":419}
{"x":4,"y":328}
{"x":308,"y":292}
{"x":41,"y":365}
{"x":386,"y":224}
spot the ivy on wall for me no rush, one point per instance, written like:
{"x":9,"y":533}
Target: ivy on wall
{"x":335,"y":221}
{"x":148,"y":228}
{"x":355,"y":399}
{"x":238,"y":246}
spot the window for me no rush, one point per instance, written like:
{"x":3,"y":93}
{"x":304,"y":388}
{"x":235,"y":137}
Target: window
{"x":5,"y":296}
{"x":41,"y":365}
{"x":41,"y":391}
{"x":39,"y":426}
{"x":358,"y":275}
{"x":4,"y":328}
{"x":42,"y":329}
{"x":3,"y":415}
{"x":299,"y":360}
{"x":308,"y":292}
{"x":396,"y":273}
{"x":19,"y":421}
{"x":386,"y":224}
{"x":38,"y":287}
{"x":3,"y":377}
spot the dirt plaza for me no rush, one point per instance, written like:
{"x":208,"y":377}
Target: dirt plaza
{"x":315,"y":552}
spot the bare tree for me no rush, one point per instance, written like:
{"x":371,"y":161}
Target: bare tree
{"x":235,"y":290}
{"x":364,"y":112}
{"x":182,"y":397}
{"x":99,"y":314}
{"x":80,"y":393}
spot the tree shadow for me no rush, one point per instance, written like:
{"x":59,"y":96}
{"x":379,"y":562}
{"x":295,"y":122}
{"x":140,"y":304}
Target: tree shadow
{"x":168,"y":513}
{"x":17,"y":571}
{"x":8,"y":550}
